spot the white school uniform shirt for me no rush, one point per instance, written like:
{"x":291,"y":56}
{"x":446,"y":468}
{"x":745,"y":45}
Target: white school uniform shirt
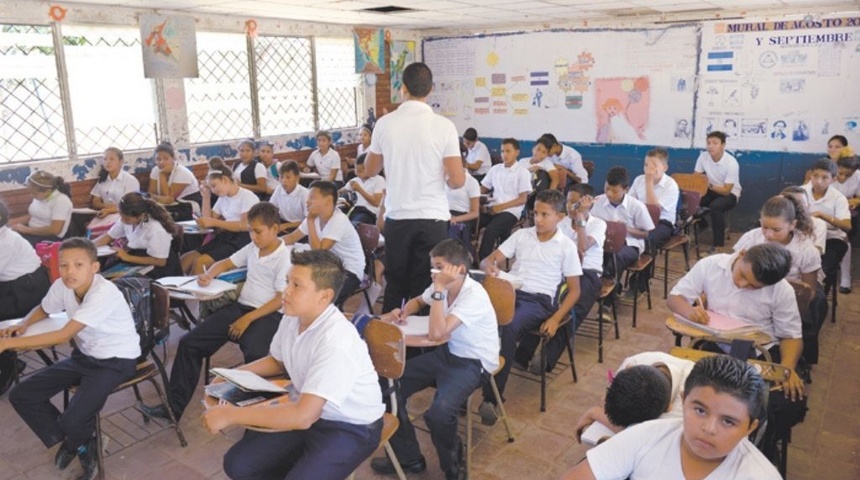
{"x":58,"y":206}
{"x":19,"y":257}
{"x":259,"y":171}
{"x":326,"y":163}
{"x":413,"y":141}
{"x":545,"y":164}
{"x":630,"y":211}
{"x":834,"y":204}
{"x":373,"y":185}
{"x":479,"y":152}
{"x":537,"y":263}
{"x":179,"y":174}
{"x":108,"y":325}
{"x":347,"y":243}
{"x":850,"y":188}
{"x":149,"y":235}
{"x":571,"y":160}
{"x":272,"y":176}
{"x":267,"y":276}
{"x":652,"y":451}
{"x":112,"y":189}
{"x":507,"y":183}
{"x":477,"y":336}
{"x":594,"y":228}
{"x":667,"y":192}
{"x":773,"y":308}
{"x":232,"y":208}
{"x":460,"y":199}
{"x":678,"y":368}
{"x":805,"y":257}
{"x":293,"y":206}
{"x":820,"y":237}
{"x":360,"y":149}
{"x":329,"y":360}
{"x":725,"y":171}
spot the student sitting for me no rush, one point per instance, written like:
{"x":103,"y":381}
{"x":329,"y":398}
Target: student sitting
{"x":329,"y":229}
{"x":248,"y":172}
{"x":23,"y":283}
{"x":567,"y":161}
{"x":229,"y":215}
{"x":724,"y":185}
{"x":545,"y":257}
{"x":831,"y":206}
{"x":267,"y":159}
{"x":615,"y":205}
{"x":106,"y":349}
{"x":365,"y":135}
{"x":113,"y":183}
{"x":326,"y":160}
{"x":336,"y":422}
{"x":819,"y":226}
{"x":724,"y":401}
{"x":848,"y":182}
{"x":148,"y":228}
{"x":464,"y":204}
{"x":540,"y":162}
{"x":462,"y":315}
{"x":654,"y":187}
{"x":50,"y":211}
{"x":171,"y":182}
{"x":478,"y":160}
{"x":369,"y":192}
{"x":290,"y":197}
{"x":251,"y":321}
{"x":510,"y":183}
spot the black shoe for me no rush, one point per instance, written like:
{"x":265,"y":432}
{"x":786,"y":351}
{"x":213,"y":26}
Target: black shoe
{"x":88,"y":454}
{"x":158,"y":411}
{"x":460,"y":471}
{"x":63,"y":457}
{"x":384,"y":465}
{"x":844,"y":290}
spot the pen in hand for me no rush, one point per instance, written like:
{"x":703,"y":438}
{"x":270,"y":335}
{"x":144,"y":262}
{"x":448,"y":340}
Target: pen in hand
{"x":401,"y":318}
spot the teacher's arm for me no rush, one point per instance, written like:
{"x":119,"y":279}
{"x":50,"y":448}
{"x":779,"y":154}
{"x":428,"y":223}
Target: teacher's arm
{"x":454,"y":172}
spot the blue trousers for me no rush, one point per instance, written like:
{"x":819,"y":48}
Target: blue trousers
{"x":95,"y":380}
{"x":455,"y":378}
{"x":328,"y":450}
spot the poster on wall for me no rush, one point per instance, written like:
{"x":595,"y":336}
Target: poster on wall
{"x":169,"y":46}
{"x":369,"y":50}
{"x":402,"y":54}
{"x":779,"y":85}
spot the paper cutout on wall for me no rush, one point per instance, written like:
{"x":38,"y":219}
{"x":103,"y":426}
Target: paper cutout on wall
{"x":169,"y":46}
{"x":402,"y":54}
{"x":369,"y":50}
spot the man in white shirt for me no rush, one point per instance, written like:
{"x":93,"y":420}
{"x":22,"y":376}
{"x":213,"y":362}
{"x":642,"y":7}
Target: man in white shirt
{"x":421,"y":153}
{"x":656,"y":188}
{"x":478,"y":159}
{"x":510,"y":184}
{"x":724,"y":184}
{"x":567,"y":160}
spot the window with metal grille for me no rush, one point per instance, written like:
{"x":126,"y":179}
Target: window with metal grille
{"x":31,"y":114}
{"x":112,"y":102}
{"x":284,"y":84}
{"x":218,"y":102}
{"x":337,"y":83}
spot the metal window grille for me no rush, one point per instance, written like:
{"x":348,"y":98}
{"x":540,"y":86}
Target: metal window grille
{"x":284,"y":84}
{"x":112,"y":106}
{"x":336,"y":82}
{"x":31,"y":115}
{"x":218,"y":102}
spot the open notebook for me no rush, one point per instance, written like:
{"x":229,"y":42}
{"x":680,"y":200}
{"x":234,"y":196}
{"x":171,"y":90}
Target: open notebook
{"x":243,"y":388}
{"x":188,"y":284}
{"x":415,"y":325}
{"x":721,"y":325}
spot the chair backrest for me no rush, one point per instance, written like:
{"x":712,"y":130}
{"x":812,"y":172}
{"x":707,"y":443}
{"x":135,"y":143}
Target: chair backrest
{"x":137,"y":292}
{"x":589,"y":167}
{"x":654,"y":212}
{"x":803,"y":293}
{"x":387,"y":347}
{"x":695,"y":182}
{"x":369,"y":236}
{"x":690,"y":202}
{"x":616,"y":237}
{"x":178,"y":239}
{"x":160,"y":307}
{"x":503,"y":298}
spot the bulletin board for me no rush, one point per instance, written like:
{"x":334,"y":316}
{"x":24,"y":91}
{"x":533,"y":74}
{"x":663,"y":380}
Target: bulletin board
{"x":605,"y":86}
{"x":780,"y":85}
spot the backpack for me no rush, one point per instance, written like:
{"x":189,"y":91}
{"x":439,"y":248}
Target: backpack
{"x":137,"y":292}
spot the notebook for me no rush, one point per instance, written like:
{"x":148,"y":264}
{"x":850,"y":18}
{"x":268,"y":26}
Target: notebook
{"x":248,"y":381}
{"x":232,"y":393}
{"x":122,"y":269}
{"x":517,"y":282}
{"x":594,"y":432}
{"x":415,"y":325}
{"x":721,"y":325}
{"x":188,"y":284}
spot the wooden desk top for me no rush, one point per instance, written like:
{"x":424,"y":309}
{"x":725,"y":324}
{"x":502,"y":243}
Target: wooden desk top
{"x":209,"y":402}
{"x":771,"y":372}
{"x":686,"y":330}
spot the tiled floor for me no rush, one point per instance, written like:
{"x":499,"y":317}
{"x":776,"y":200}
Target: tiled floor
{"x":826,"y":445}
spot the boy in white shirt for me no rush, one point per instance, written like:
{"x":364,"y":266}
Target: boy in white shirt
{"x":290,"y":197}
{"x":251,"y":321}
{"x":326,"y":160}
{"x":545,"y":258}
{"x":511,"y":184}
{"x":461,"y":314}
{"x":848,"y":182}
{"x":654,"y":187}
{"x":724,"y":401}
{"x":327,"y":228}
{"x":567,"y":160}
{"x":106,"y":348}
{"x":540,"y":161}
{"x":831,"y":206}
{"x":336,"y":422}
{"x":724,"y":185}
{"x":369,"y":192}
{"x":478,"y":160}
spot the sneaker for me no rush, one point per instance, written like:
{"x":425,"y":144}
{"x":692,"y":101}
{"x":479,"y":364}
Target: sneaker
{"x":488,"y":413}
{"x":158,"y":411}
{"x":384,"y":465}
{"x":845,"y":290}
{"x":88,"y":454}
{"x":63,"y":457}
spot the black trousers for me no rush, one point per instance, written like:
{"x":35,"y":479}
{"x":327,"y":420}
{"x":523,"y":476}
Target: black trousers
{"x":496,"y":227}
{"x":407,"y":257}
{"x":95,"y":380}
{"x":362,"y":215}
{"x":719,"y":205}
{"x":205,"y":339}
{"x":834,"y":250}
{"x":19,"y":296}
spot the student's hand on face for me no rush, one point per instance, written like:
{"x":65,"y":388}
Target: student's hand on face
{"x":204,"y":189}
{"x":585,"y":204}
{"x":238,"y":327}
{"x":446,"y":276}
{"x":217,"y":418}
{"x":794,"y":387}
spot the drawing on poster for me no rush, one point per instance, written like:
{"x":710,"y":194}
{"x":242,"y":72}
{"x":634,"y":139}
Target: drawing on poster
{"x":825,"y":127}
{"x":767,"y":59}
{"x":169,"y":46}
{"x":800,"y":133}
{"x":369,"y":49}
{"x":682,"y":128}
{"x":730,"y":127}
{"x":754,"y":128}
{"x":732,"y":97}
{"x":792,"y":85}
{"x":778,"y":132}
{"x":402,"y":54}
{"x":851,"y":124}
{"x":572,"y":76}
{"x":622,"y":107}
{"x":710,"y":125}
{"x":678,"y":84}
{"x":794,"y":58}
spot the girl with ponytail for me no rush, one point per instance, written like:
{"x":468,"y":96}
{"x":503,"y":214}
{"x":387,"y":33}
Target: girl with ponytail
{"x":148,"y":229}
{"x":50,"y":212}
{"x":113,"y":183}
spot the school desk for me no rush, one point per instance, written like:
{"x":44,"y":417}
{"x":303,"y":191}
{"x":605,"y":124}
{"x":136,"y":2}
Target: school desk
{"x":772,"y":372}
{"x":210,"y":401}
{"x":680,"y":330}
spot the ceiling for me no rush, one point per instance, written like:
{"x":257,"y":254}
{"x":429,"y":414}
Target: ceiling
{"x":481,"y":14}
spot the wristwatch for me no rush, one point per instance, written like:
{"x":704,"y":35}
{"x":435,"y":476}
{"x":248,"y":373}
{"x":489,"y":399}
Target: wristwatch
{"x":580,"y":223}
{"x":438,"y":295}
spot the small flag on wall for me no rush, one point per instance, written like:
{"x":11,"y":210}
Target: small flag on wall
{"x":539,"y":78}
{"x":720,"y":61}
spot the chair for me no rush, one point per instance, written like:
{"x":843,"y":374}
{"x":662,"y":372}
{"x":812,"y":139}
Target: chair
{"x":589,"y":167}
{"x":617,"y":231}
{"x":690,"y":203}
{"x":607,"y":288}
{"x":674,"y":242}
{"x":369,"y":236}
{"x":693,"y":182}
{"x":387,"y":347}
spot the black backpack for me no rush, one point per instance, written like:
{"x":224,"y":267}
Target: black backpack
{"x":137,"y":291}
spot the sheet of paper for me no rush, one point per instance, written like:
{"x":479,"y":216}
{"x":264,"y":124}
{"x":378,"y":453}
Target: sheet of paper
{"x":248,"y":381}
{"x":189,"y":284}
{"x":720,"y":324}
{"x":105,"y":251}
{"x":51,"y":324}
{"x":84,"y":210}
{"x":595,"y":432}
{"x":517,"y":282}
{"x":416,"y":325}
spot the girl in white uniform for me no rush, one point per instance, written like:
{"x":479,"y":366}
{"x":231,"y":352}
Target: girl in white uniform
{"x":50,"y":211}
{"x":113,"y":183}
{"x":171,"y":182}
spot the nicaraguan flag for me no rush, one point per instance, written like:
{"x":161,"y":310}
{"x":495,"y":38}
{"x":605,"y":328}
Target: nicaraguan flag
{"x":539,"y":78}
{"x":720,"y":61}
